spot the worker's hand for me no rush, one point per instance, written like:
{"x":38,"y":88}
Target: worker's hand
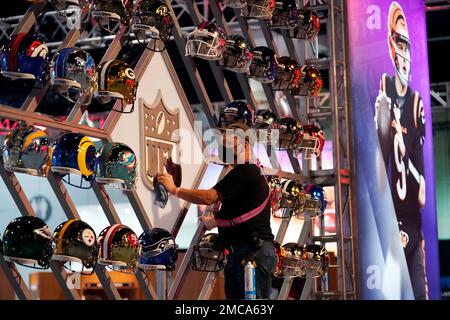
{"x":167,"y":181}
{"x":209,"y":221}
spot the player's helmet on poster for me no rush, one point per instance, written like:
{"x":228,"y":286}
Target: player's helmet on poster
{"x":290,"y":133}
{"x":110,"y":13}
{"x":307,"y":27}
{"x":316,"y":200}
{"x":116,"y":166}
{"x":28,"y":241}
{"x":75,"y":245}
{"x":74,"y":156}
{"x":312,"y":142}
{"x":118,"y":248}
{"x":206,"y":41}
{"x":285,"y":15}
{"x":259,"y":9}
{"x":310,"y":83}
{"x":237,"y":56}
{"x":116,"y":81}
{"x":264,"y":65}
{"x":152,"y":20}
{"x":158,"y":250}
{"x":288,"y":75}
{"x":237,"y":111}
{"x":210,"y":254}
{"x":25,"y":57}
{"x":237,"y":4}
{"x":73,"y":73}
{"x":399,"y":41}
{"x":27,"y":150}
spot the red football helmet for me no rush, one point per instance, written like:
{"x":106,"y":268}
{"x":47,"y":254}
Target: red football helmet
{"x":312,"y":142}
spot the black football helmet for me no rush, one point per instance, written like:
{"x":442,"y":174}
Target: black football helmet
{"x":28,"y":241}
{"x":152,"y":20}
{"x":237,"y":56}
{"x":285,"y":15}
{"x":307,"y":27}
{"x":310,"y":82}
{"x":110,"y":13}
{"x":237,"y":111}
{"x":289,"y":133}
{"x":264,"y":65}
{"x":288,"y":75}
{"x":292,"y":199}
{"x":75,"y":244}
{"x":210,"y":254}
{"x":264,"y":123}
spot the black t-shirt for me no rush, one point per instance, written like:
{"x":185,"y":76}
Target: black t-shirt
{"x":243,"y":189}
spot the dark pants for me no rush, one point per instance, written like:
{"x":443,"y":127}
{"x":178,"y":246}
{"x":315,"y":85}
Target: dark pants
{"x":415,"y":258}
{"x":266,"y":261}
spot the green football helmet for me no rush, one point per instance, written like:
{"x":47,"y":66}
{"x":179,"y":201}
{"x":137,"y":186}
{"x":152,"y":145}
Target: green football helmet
{"x":117,"y":166}
{"x":118,"y":248}
{"x":28,"y":242}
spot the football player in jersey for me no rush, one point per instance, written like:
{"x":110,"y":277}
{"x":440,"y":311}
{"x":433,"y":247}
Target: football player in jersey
{"x":400,"y":122}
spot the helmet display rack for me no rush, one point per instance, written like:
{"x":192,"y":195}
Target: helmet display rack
{"x":302,"y":108}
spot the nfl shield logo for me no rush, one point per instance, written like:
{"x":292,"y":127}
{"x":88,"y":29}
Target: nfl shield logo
{"x":158,"y":141}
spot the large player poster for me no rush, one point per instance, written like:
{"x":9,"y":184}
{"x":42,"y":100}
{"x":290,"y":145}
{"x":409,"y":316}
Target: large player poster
{"x":397,"y":230}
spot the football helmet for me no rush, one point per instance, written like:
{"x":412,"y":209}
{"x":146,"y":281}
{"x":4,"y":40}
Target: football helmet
{"x":307,"y":27}
{"x":28,"y":241}
{"x":210,"y":254}
{"x":237,"y":111}
{"x":288,"y":75}
{"x":235,"y":3}
{"x":315,"y":200}
{"x":292,"y":199}
{"x":27,"y":150}
{"x":264,"y":123}
{"x":158,"y":250}
{"x":289,"y":133}
{"x":110,"y":13}
{"x":24,"y":57}
{"x":259,"y":9}
{"x":75,"y":244}
{"x":264,"y":65}
{"x":314,"y":261}
{"x":206,"y":41}
{"x":62,"y":5}
{"x":276,"y":193}
{"x":152,"y":20}
{"x":237,"y":56}
{"x":312,"y":142}
{"x":398,"y":33}
{"x":74,"y":153}
{"x":310,"y":82}
{"x":285,"y":15}
{"x":73,"y":74}
{"x":117,"y":166}
{"x":116,"y":80}
{"x":118,"y":248}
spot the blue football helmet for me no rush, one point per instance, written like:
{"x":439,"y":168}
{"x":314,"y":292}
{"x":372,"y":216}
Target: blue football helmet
{"x":316,"y":200}
{"x":73,"y":73}
{"x":25,"y":56}
{"x":27,"y":150}
{"x":158,"y":250}
{"x":74,"y":153}
{"x":237,"y":111}
{"x":264,"y":66}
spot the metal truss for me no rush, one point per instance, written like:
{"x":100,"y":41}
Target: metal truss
{"x":331,"y":106}
{"x":440,"y":93}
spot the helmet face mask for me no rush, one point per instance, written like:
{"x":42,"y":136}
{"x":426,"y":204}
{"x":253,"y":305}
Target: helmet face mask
{"x":210,"y":254}
{"x":265,"y":125}
{"x":237,"y":56}
{"x":27,"y":150}
{"x":28,"y":241}
{"x":312,"y":142}
{"x":74,"y":160}
{"x":259,"y":9}
{"x":289,"y":133}
{"x":310,"y":82}
{"x":110,"y":14}
{"x":25,"y":57}
{"x":207,"y":41}
{"x":152,"y":20}
{"x":158,"y":250}
{"x":75,"y":245}
{"x":288,"y":75}
{"x":116,"y":166}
